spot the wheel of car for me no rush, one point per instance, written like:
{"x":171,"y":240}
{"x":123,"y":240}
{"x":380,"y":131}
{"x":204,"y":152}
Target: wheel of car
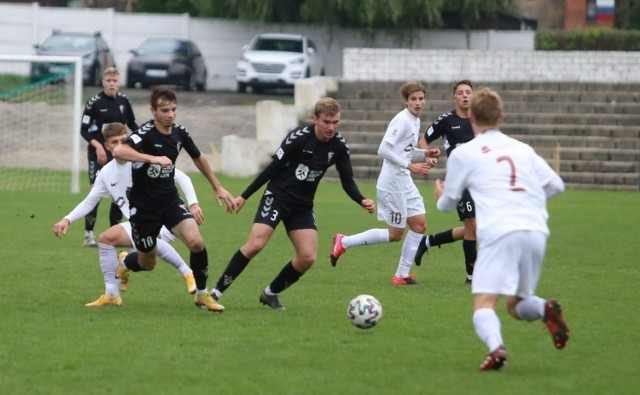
{"x":242,"y":87}
{"x":188,"y":82}
{"x":203,"y":85}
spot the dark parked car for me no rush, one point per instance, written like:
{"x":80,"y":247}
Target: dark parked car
{"x":167,"y":61}
{"x":96,"y":55}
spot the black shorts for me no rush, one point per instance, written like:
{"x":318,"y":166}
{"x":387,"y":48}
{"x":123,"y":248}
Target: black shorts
{"x":271,"y":211}
{"x":146,"y":222}
{"x":466,"y":208}
{"x":93,"y":165}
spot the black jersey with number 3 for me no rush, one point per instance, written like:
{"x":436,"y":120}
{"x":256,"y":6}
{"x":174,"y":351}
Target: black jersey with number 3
{"x":300,"y":163}
{"x":152,"y":184}
{"x":453,"y":129}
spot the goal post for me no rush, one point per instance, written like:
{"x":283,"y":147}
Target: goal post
{"x":41,"y":109}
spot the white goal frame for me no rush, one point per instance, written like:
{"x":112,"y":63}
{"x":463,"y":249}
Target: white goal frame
{"x":77,"y":106}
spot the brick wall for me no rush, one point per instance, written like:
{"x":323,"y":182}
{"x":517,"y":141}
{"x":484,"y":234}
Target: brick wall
{"x":368,"y":64}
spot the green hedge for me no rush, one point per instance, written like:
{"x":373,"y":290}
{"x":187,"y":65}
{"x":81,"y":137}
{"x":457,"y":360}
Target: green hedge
{"x":596,"y":39}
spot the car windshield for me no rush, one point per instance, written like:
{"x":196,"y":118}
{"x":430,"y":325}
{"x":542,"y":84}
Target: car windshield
{"x":277,"y":44}
{"x":70,"y":43}
{"x":155,"y":47}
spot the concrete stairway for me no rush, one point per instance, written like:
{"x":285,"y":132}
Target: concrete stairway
{"x":589,"y":132}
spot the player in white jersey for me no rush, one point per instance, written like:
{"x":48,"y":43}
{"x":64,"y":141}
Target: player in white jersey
{"x":399,"y":201}
{"x":113,"y":181}
{"x":510,"y":185}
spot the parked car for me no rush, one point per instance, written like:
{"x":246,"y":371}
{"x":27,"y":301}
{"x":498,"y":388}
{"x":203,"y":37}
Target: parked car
{"x":96,"y":55}
{"x":277,"y":60}
{"x":167,"y":61}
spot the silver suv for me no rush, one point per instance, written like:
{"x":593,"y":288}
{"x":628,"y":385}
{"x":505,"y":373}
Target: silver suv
{"x":277,"y":60}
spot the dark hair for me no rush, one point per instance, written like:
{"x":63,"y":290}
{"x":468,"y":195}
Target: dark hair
{"x":456,"y":84}
{"x":162,"y":95}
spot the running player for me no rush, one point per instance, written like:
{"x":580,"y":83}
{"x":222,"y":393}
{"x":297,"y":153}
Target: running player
{"x":399,"y":201}
{"x":113,"y":181}
{"x":107,"y":106}
{"x":293,"y":177}
{"x":510,"y":184}
{"x":153,"y":197}
{"x":455,"y":129}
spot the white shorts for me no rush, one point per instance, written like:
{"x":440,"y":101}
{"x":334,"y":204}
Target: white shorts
{"x":511,"y":265}
{"x":395,"y":208}
{"x":165,"y":234}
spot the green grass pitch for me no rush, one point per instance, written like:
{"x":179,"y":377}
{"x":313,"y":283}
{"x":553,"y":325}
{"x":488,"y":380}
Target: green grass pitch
{"x":159,"y":343}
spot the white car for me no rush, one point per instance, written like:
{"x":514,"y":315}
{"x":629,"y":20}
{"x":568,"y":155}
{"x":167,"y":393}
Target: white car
{"x":277,"y":60}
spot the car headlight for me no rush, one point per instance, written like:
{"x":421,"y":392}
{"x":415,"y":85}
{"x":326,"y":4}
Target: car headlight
{"x":298,"y":60}
{"x":243,"y":59}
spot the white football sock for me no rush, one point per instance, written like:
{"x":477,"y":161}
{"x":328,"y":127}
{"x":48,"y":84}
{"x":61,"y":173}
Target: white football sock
{"x":109,"y":264}
{"x":531,"y":308}
{"x":409,"y":248}
{"x":371,"y":236}
{"x":171,"y":256}
{"x":487,"y":326}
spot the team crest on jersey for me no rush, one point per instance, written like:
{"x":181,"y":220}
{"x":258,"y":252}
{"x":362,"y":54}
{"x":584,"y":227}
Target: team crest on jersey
{"x":301,"y":172}
{"x":154,"y":171}
{"x":395,"y":132}
{"x":329,"y":156}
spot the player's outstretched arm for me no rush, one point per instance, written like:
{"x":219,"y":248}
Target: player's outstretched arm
{"x":60,"y":227}
{"x":202,"y":163}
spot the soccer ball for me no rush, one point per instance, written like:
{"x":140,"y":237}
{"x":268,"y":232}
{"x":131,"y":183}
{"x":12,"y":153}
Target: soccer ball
{"x":364,"y":311}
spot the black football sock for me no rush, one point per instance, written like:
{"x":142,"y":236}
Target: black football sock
{"x":115,"y":215}
{"x":199,"y":262}
{"x":287,"y":276}
{"x":470,"y":254}
{"x":441,"y":238}
{"x":236,"y":265}
{"x":90,"y":219}
{"x":131,"y":262}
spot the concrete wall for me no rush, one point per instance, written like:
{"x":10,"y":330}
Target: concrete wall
{"x":367,"y":64}
{"x":221,"y":41}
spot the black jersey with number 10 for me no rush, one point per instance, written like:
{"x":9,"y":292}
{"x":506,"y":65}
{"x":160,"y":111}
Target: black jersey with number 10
{"x":152,"y":184}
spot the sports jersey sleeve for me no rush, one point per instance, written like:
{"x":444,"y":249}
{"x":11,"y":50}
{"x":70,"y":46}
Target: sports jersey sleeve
{"x":262,"y":178}
{"x":130,"y":117}
{"x":385,"y":151}
{"x":436,"y":129}
{"x":549,"y":179}
{"x":97,"y":192}
{"x":455,"y":184}
{"x":345,"y":170}
{"x":186,"y":186}
{"x":188,"y":144}
{"x":86,"y":123}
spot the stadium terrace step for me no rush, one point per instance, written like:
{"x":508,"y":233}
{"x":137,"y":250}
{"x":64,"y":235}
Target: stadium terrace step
{"x":589,"y":131}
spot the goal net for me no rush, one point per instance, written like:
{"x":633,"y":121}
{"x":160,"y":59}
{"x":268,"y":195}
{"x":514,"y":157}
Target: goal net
{"x":40,"y":108}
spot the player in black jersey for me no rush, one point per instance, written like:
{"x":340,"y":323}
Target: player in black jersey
{"x":455,"y":129}
{"x":107,"y":106}
{"x":293,"y":177}
{"x":153,"y":197}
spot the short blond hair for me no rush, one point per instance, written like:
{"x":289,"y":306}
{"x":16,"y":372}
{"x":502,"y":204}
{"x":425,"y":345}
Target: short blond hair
{"x":486,"y":106}
{"x":328,"y":106}
{"x":110,"y":71}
